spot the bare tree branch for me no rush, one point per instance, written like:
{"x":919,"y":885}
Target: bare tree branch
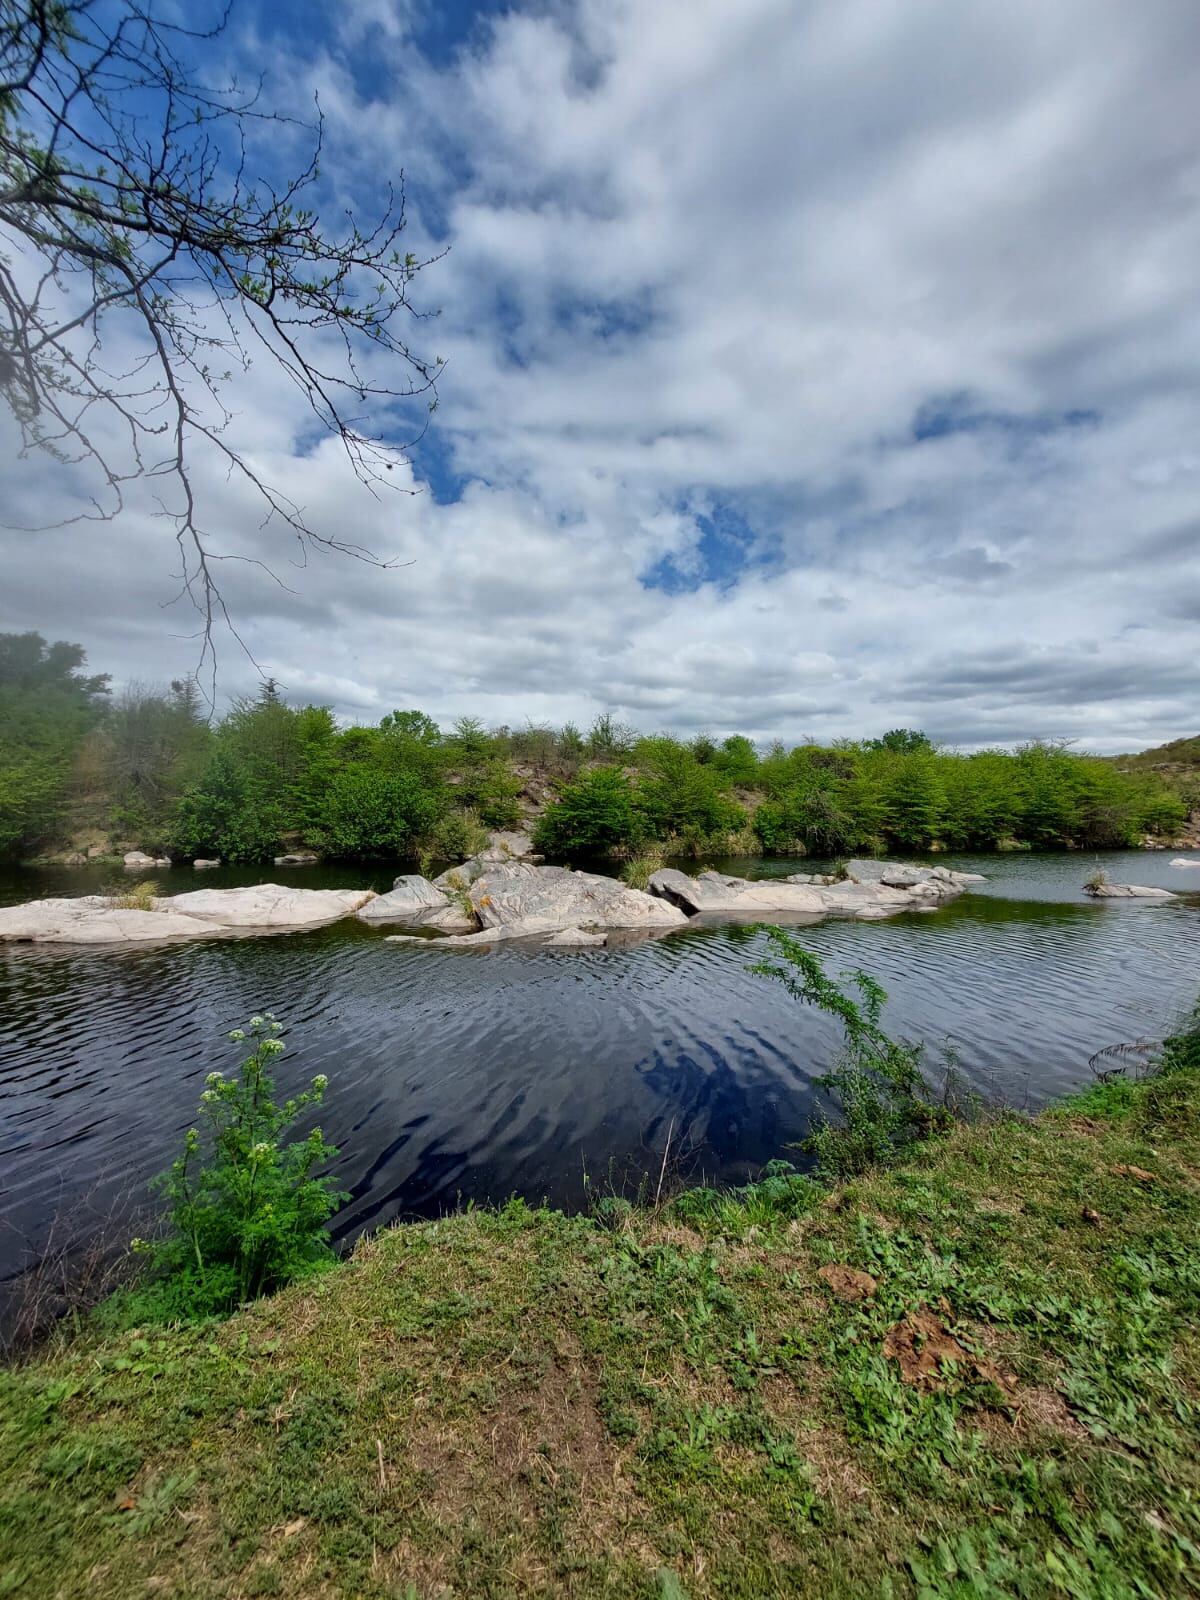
{"x":126,"y":190}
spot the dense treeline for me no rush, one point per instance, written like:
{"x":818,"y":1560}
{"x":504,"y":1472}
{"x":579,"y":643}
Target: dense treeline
{"x":147,"y":769}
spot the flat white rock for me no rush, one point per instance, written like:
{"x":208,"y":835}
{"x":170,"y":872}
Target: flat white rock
{"x":1126,"y":891}
{"x":93,"y":919}
{"x":267,"y":905}
{"x":514,"y":894}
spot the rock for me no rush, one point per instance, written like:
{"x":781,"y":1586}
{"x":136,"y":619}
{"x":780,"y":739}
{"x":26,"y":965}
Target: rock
{"x":138,"y":858}
{"x":516,"y":894}
{"x":415,"y":901}
{"x":1182,"y":861}
{"x":715,"y":891}
{"x":74,"y":858}
{"x":871,"y":889}
{"x":464,"y":875}
{"x":201,"y":914}
{"x":501,"y":847}
{"x":205,"y":863}
{"x":1126,"y":891}
{"x":95,"y":851}
{"x":268,"y":905}
{"x":510,"y":845}
{"x":905,"y":875}
{"x":298,"y":858}
{"x":94,"y":919}
{"x":542,"y":931}
{"x":575,"y":938}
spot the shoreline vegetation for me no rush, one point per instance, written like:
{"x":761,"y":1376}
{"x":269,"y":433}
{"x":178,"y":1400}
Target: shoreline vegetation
{"x":84,"y":776}
{"x":964,"y":1366}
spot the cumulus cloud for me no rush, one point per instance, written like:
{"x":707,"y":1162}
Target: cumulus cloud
{"x":812,"y":370}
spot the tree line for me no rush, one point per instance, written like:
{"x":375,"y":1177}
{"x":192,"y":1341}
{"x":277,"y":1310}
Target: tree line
{"x":146,"y":768}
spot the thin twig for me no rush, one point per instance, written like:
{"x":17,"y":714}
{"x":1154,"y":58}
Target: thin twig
{"x":663,"y":1168}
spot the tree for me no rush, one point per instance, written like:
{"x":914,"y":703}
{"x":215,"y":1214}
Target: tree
{"x":902,"y":741}
{"x":136,"y":198}
{"x":47,"y":705}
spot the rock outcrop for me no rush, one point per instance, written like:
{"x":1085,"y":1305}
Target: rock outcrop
{"x":715,"y":891}
{"x":138,"y":860}
{"x":1181,"y":861}
{"x":488,"y":902}
{"x":1126,"y":891}
{"x":870,"y":889}
{"x":206,"y":863}
{"x":416,"y":903}
{"x":93,"y":919}
{"x":515,"y":893}
{"x":298,"y":858}
{"x":201,"y":914}
{"x":267,"y":905}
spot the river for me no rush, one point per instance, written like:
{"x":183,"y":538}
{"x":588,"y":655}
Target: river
{"x":459,"y":1076}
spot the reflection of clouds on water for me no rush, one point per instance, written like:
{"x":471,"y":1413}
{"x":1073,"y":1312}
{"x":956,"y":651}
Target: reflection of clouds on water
{"x":459,"y":1077}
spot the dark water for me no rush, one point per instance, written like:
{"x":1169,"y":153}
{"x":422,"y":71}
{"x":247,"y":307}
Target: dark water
{"x":461,"y":1075}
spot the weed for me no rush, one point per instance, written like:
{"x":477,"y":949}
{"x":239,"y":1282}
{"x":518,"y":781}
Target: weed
{"x":245,"y":1216}
{"x":138,"y":896}
{"x":638,"y":871}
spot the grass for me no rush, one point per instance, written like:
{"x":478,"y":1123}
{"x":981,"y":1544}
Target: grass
{"x":998,"y":1398}
{"x":137,"y":896}
{"x":638,"y":872}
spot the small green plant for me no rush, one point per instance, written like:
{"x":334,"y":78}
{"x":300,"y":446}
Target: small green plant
{"x":139,"y":896}
{"x":245,"y":1215}
{"x":1097,"y":881}
{"x":638,"y":872}
{"x":877,"y":1082}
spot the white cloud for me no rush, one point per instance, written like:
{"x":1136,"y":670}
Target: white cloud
{"x":720,"y":255}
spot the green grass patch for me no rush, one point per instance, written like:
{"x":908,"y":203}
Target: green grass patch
{"x":517,"y":1402}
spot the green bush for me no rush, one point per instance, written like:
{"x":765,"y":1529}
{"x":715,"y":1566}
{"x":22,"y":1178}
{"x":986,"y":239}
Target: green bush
{"x":245,"y":1215}
{"x":490,"y":790}
{"x":230,"y":813}
{"x":595,"y":816}
{"x":368,"y":811}
{"x":456,"y":837}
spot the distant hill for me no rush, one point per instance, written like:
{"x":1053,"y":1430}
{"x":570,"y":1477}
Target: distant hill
{"x":1177,"y":764}
{"x":1180,"y":752}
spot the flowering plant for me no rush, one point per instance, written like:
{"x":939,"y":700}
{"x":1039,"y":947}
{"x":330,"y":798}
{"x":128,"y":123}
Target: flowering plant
{"x":245,"y":1212}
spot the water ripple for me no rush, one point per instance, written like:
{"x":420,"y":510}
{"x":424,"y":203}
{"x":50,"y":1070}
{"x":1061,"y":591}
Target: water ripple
{"x":475,"y":1076}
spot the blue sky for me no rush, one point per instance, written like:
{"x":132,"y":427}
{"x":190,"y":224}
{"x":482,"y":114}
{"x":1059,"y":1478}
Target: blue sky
{"x":812,"y":368}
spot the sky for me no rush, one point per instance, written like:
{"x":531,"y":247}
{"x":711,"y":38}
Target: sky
{"x":813,"y":367}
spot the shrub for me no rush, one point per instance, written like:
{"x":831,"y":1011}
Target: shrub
{"x":877,"y":1081}
{"x":458,"y":836}
{"x":490,"y":789}
{"x":368,"y":811}
{"x":596,"y":816}
{"x":245,"y":1215}
{"x":638,"y":871}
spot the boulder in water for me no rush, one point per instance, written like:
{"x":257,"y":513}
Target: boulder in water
{"x":94,"y":919}
{"x":268,"y":905}
{"x":415,"y":901}
{"x":1126,"y":891}
{"x":517,"y":895}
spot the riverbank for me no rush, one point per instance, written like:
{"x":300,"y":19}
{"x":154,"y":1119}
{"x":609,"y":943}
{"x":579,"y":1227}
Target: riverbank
{"x":974,"y":1374}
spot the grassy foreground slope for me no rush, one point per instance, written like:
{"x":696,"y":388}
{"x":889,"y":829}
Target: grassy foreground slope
{"x":999,"y":1399}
